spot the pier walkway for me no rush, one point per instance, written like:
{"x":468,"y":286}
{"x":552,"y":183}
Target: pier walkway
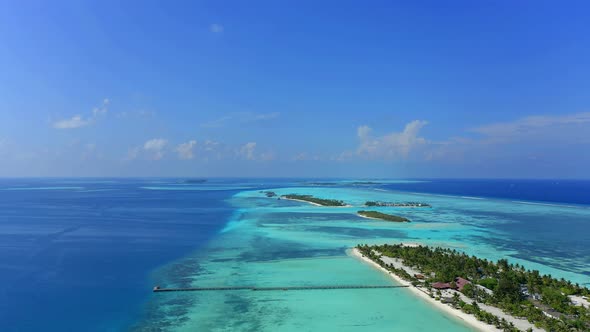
{"x":287,"y":288}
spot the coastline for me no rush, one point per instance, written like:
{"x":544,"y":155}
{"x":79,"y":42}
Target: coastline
{"x":316,"y":204}
{"x":369,"y":217}
{"x":466,"y":318}
{"x":300,"y":200}
{"x":395,"y":222}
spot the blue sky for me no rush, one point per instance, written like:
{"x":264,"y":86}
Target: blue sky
{"x":295,"y":88}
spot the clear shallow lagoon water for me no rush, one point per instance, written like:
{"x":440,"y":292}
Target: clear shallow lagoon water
{"x":83,"y":254}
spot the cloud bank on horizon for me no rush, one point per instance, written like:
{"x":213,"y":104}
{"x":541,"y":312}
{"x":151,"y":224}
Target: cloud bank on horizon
{"x":380,"y":90}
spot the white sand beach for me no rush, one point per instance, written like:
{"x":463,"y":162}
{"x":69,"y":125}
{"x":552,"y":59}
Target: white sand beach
{"x":400,"y":222}
{"x":300,"y":200}
{"x":520,"y":323}
{"x":468,"y":319}
{"x":312,"y":203}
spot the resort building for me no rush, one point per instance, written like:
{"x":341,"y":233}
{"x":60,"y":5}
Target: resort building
{"x":459,"y":284}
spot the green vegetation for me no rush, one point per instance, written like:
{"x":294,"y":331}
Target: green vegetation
{"x":489,"y":283}
{"x":519,"y":292}
{"x":383,"y":216}
{"x":397,"y":204}
{"x":311,"y":199}
{"x":484,"y":316}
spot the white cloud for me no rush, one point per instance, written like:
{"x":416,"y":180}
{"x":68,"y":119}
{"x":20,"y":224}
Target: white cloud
{"x":267,"y":116}
{"x":344,"y":156}
{"x":133,"y":153}
{"x":513,"y":140}
{"x":102,"y":109}
{"x":393,"y":145}
{"x":531,"y":125}
{"x":211,"y":145}
{"x":146,"y":113}
{"x":142,"y":114}
{"x":186,"y":150}
{"x":304,"y":156}
{"x":363,"y":132}
{"x":216,"y":28}
{"x":247,"y":151}
{"x":240,"y":117}
{"x":301,"y":156}
{"x":78,"y":121}
{"x":155,"y":144}
{"x":267,"y":156}
{"x":75,"y":122}
{"x":219,"y":122}
{"x":156,"y":147}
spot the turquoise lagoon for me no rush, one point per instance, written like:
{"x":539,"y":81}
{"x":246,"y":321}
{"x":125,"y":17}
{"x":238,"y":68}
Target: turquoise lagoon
{"x":270,"y":242}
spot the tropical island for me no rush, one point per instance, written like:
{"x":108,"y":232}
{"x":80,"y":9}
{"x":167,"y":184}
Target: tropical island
{"x":382,"y":216}
{"x":322,"y":184}
{"x":354,"y":183}
{"x":365,"y":183}
{"x":269,"y":193}
{"x":397,"y":204}
{"x":503,"y":295}
{"x":314,"y":200}
{"x":192,"y":181}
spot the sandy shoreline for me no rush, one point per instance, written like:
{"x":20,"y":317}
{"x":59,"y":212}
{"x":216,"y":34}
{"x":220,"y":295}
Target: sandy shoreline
{"x":300,"y":200}
{"x":312,"y":203}
{"x":468,"y":319}
{"x":395,"y":222}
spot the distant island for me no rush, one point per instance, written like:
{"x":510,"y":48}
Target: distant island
{"x":382,"y":216}
{"x":500,"y":294}
{"x":193,"y":181}
{"x":355,"y":183}
{"x":314,"y":200}
{"x":269,"y":193}
{"x":397,"y":204}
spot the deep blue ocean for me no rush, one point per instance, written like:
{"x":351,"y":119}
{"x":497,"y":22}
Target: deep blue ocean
{"x":79,"y":254}
{"x":551,"y":191}
{"x":76,"y":255}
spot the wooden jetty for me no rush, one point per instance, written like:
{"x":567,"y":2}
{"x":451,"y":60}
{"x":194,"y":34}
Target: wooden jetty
{"x":158,"y":289}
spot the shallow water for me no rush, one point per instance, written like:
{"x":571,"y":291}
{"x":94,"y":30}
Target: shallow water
{"x":258,"y":251}
{"x":272,"y":242}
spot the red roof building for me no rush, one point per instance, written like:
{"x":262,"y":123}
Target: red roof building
{"x":461,"y":283}
{"x":441,"y":285}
